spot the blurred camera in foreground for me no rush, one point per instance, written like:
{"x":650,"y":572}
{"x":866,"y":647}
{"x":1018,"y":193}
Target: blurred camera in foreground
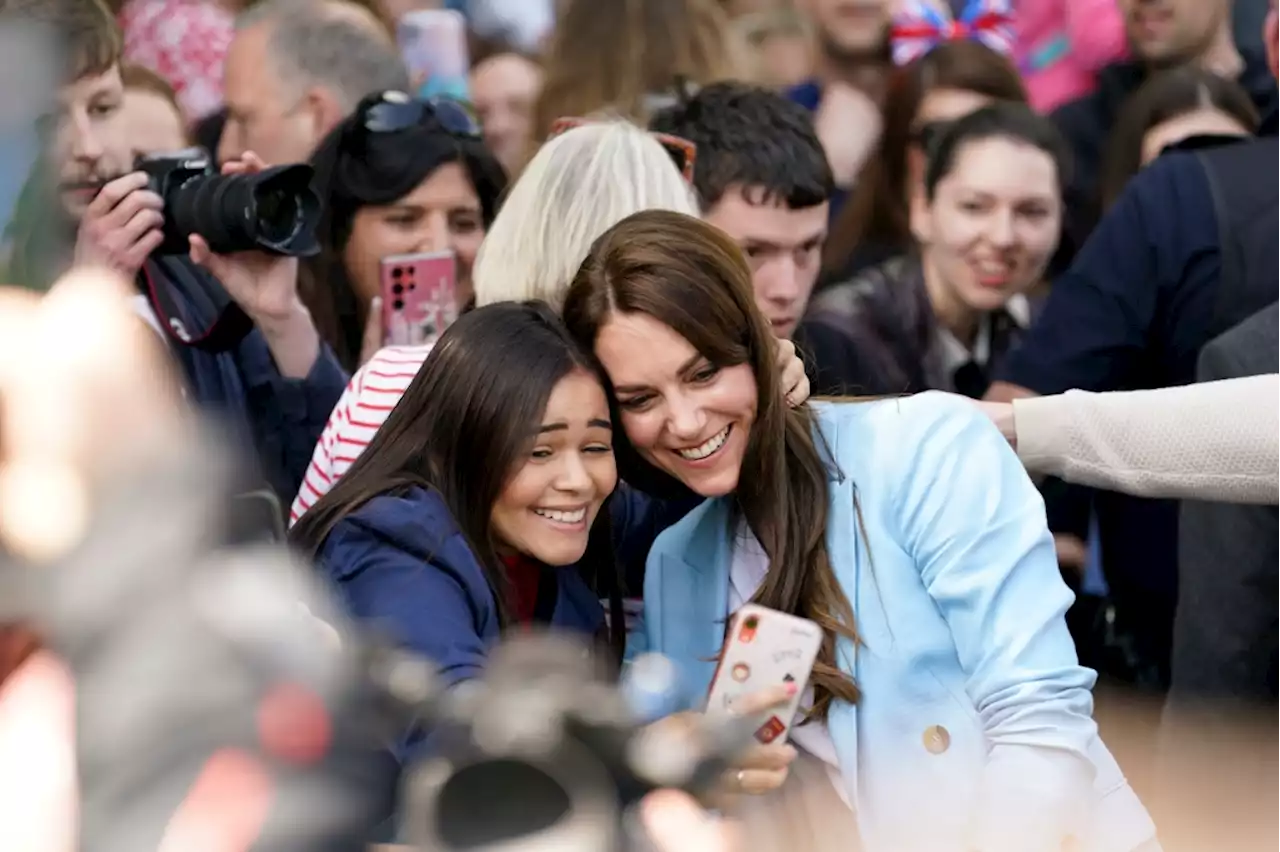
{"x":274,"y":210}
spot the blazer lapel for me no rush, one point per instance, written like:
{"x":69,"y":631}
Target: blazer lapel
{"x":847,"y":554}
{"x":695,"y":595}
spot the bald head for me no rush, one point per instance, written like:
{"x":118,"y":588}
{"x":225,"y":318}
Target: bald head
{"x":296,"y":68}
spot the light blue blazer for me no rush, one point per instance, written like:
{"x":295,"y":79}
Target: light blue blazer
{"x":975,"y":728}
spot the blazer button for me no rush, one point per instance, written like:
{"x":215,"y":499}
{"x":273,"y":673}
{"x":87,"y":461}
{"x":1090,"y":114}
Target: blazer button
{"x":936,"y":739}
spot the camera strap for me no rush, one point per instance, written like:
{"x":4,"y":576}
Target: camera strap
{"x":192,"y":306}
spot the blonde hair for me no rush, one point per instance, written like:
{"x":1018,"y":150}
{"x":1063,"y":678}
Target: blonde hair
{"x":575,"y":188}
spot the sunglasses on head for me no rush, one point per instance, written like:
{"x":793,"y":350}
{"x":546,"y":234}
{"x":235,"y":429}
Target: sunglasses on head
{"x":396,"y":111}
{"x":682,"y":152}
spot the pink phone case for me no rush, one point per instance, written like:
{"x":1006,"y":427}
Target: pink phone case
{"x":419,"y":297}
{"x":765,"y":648}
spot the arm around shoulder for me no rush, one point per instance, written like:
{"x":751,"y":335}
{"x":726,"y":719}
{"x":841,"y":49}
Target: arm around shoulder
{"x":975,"y":526}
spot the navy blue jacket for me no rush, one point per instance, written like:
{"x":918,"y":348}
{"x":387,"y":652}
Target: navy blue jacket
{"x":278,"y":420}
{"x":401,"y":564}
{"x":1132,"y":312}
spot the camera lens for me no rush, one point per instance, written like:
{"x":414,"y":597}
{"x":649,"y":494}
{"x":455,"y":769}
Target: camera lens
{"x":397,"y":289}
{"x":277,"y":210}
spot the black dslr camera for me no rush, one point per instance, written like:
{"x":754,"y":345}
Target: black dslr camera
{"x":275,"y":210}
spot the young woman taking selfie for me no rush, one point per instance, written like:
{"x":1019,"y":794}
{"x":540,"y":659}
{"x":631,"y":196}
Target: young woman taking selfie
{"x":483,"y":483}
{"x":906,"y":528}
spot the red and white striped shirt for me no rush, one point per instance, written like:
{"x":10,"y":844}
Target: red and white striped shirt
{"x":363,"y":407}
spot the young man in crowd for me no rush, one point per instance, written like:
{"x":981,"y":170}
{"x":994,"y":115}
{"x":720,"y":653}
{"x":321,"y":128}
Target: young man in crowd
{"x":236,"y":326}
{"x":762,"y":178}
{"x":296,"y":68}
{"x":1162,"y":34}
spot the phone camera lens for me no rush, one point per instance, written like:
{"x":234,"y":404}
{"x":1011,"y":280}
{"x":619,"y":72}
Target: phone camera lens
{"x":397,"y":288}
{"x":413,"y":286}
{"x":398,"y":305}
{"x":397,"y":272}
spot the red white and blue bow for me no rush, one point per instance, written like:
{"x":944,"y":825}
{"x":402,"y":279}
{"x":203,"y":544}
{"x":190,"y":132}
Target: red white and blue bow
{"x":921,"y":25}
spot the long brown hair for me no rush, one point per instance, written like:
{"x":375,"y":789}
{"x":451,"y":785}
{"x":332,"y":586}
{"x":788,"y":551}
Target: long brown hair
{"x":691,"y":277}
{"x":877,"y":213}
{"x":608,"y":55}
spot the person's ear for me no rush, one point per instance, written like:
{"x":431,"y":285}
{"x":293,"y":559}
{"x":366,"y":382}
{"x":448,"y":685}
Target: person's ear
{"x":921,"y":214}
{"x":323,"y":112}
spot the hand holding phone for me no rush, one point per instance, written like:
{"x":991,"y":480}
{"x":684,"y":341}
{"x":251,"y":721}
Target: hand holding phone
{"x":766,"y":652}
{"x":419,"y":297}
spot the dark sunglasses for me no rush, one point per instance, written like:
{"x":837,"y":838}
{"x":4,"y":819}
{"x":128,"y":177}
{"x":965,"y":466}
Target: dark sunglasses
{"x":396,"y":111}
{"x":682,"y":152}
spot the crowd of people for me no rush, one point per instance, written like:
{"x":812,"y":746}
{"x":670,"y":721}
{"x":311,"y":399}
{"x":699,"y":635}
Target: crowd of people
{"x":913,"y":318}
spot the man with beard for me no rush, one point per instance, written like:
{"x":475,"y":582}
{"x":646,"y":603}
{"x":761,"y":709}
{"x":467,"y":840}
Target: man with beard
{"x":851,"y":64}
{"x":235,"y":324}
{"x":1162,"y":34}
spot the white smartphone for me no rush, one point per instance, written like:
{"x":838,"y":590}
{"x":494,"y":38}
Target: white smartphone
{"x":765,"y":648}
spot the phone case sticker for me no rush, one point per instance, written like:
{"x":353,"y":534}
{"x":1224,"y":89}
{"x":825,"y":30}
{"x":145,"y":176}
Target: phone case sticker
{"x":771,"y":730}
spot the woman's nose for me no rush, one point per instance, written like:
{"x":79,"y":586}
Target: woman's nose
{"x":435,"y":235}
{"x":573,"y":476}
{"x":1001,"y":230}
{"x":684,"y":419}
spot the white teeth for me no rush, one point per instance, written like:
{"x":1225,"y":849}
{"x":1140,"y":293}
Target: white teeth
{"x":573,"y":517}
{"x":704,"y":450}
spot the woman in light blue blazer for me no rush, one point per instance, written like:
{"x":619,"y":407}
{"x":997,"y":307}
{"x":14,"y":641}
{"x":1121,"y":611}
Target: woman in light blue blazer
{"x":947,"y":703}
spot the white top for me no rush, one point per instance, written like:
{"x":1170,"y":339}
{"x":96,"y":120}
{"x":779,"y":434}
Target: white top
{"x":1211,"y":441}
{"x":363,"y":407}
{"x":749,"y":567}
{"x":956,"y":354}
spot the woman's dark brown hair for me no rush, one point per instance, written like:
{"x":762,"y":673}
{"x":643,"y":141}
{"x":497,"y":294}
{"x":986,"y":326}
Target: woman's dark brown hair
{"x":691,"y":277}
{"x":876,"y":215}
{"x":1165,"y":96}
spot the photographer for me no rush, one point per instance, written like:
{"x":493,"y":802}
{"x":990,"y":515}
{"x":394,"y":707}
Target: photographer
{"x":234,"y":322}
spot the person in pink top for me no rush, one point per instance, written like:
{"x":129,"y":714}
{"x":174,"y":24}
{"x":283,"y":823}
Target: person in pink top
{"x":185,"y":42}
{"x":1061,"y":45}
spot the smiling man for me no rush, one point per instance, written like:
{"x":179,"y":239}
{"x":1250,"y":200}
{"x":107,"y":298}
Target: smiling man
{"x":763,"y":179}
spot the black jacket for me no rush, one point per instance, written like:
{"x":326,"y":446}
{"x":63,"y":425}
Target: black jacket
{"x":1086,"y":123}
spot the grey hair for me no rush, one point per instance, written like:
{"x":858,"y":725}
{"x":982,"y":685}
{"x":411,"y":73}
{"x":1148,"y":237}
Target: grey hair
{"x":575,"y":188}
{"x":319,"y":42}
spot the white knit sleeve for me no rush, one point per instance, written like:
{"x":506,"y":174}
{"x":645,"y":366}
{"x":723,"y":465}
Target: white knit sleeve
{"x":1211,"y":441}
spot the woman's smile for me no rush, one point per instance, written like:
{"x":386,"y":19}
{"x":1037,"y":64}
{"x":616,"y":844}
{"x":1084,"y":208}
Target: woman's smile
{"x":706,"y":451}
{"x":567,"y":519}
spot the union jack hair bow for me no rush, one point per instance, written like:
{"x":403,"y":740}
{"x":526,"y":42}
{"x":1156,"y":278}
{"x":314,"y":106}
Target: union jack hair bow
{"x":921,"y":25}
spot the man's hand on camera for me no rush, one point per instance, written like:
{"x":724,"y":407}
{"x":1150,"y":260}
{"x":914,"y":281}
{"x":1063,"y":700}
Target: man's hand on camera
{"x":266,"y":287}
{"x":121,"y":226}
